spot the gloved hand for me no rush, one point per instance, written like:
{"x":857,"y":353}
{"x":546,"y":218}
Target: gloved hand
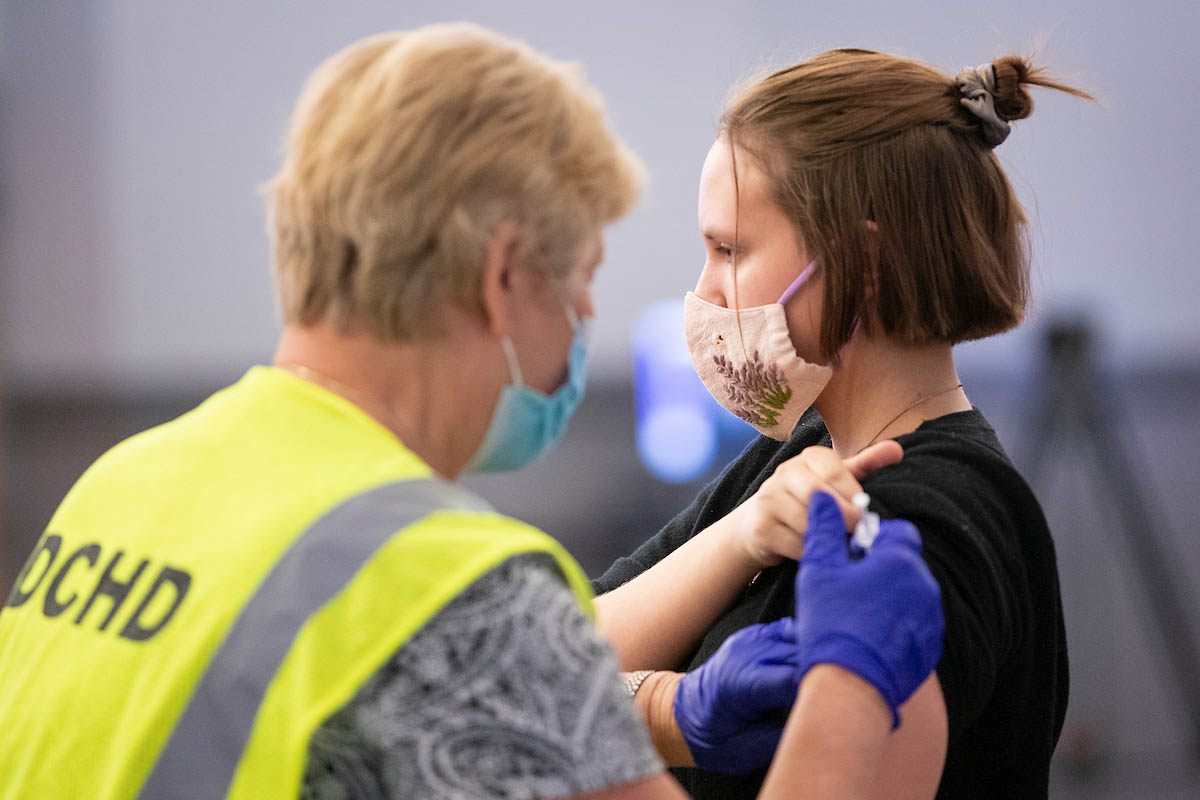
{"x":879,"y":617}
{"x":731,"y":710}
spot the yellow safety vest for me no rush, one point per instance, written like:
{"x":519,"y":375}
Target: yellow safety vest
{"x":212,"y":590}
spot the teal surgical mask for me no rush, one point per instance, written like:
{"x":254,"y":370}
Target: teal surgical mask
{"x":527,"y":423}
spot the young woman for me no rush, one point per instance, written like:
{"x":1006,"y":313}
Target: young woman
{"x":858,"y":225}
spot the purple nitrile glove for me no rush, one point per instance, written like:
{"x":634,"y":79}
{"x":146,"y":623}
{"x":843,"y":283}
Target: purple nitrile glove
{"x":879,"y":617}
{"x":731,"y":710}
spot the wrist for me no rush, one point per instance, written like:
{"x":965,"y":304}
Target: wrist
{"x":735,"y":545}
{"x":632,"y":681}
{"x":655,"y":700}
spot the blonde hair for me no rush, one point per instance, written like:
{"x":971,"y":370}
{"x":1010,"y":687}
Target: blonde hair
{"x":854,"y":136}
{"x":404,"y":153}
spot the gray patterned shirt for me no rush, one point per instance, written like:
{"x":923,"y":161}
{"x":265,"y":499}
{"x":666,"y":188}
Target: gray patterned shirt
{"x":507,"y":693}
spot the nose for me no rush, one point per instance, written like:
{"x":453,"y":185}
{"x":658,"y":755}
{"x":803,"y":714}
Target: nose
{"x":586,"y":309}
{"x":580,"y":307}
{"x":711,"y":287}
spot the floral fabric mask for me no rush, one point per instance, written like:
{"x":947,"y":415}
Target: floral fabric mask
{"x":752,"y":368}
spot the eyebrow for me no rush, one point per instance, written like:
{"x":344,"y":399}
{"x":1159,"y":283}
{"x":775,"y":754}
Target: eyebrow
{"x":715,"y":236}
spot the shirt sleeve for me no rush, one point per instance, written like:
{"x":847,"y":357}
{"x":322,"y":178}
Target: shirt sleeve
{"x":963,"y":544}
{"x":507,"y":693}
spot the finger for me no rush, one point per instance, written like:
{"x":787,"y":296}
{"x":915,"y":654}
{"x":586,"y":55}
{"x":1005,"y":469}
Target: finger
{"x":877,"y":456}
{"x":788,"y":542}
{"x":895,"y":534}
{"x":780,"y":629}
{"x":825,"y":539}
{"x":842,"y":488}
{"x":777,"y":630}
{"x":774,"y":687}
{"x":831,"y":473}
{"x":789,"y":515}
{"x":775,"y":642}
{"x":809,"y":472}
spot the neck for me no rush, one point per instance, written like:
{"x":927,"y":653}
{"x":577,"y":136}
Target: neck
{"x":881,"y":389}
{"x":417,"y":390}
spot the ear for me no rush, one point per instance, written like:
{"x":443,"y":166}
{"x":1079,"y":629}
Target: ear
{"x":499,"y":266}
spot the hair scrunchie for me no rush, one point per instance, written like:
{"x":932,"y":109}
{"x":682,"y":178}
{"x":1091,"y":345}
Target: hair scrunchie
{"x":977,"y":86}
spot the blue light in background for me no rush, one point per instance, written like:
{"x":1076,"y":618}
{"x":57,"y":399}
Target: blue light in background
{"x":680,"y":428}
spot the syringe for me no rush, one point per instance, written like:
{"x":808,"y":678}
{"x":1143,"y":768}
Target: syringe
{"x":868,"y":526}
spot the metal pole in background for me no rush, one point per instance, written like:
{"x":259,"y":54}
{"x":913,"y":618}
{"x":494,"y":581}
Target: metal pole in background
{"x":1078,"y":408}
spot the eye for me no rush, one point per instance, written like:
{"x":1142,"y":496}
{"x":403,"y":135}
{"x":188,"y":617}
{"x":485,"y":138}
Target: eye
{"x":723,"y":249}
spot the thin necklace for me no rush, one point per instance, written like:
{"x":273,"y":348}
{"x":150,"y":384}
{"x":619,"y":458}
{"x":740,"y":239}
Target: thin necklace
{"x":910,"y":408}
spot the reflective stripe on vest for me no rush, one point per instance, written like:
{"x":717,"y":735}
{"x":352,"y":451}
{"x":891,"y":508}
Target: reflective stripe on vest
{"x":206,"y":745}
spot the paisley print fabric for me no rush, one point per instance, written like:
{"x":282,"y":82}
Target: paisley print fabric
{"x":507,"y":693}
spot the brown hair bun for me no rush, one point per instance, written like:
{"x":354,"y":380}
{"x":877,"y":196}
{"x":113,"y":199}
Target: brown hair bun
{"x":1013,"y":74}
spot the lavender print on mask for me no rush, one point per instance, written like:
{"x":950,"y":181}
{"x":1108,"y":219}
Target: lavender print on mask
{"x":752,"y":368}
{"x":758,"y":392}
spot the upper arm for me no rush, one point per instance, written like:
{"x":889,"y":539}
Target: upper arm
{"x":979,"y":598}
{"x":833,"y":747}
{"x":911,"y":766}
{"x":507,"y":692}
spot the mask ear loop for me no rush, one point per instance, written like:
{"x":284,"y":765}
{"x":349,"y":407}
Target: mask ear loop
{"x":514,"y":367}
{"x":795,"y":285}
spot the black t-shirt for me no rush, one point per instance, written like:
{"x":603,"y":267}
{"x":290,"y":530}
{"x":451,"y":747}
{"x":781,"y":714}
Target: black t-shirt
{"x":1004,"y":662}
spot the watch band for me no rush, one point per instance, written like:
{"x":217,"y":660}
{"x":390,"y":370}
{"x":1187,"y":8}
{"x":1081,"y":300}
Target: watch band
{"x":633,"y":680}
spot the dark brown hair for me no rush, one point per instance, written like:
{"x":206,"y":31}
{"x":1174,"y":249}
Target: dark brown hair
{"x":854,"y":136}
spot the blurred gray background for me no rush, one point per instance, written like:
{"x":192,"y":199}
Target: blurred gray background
{"x":134,"y":278}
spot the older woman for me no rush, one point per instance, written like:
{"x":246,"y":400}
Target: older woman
{"x":858,"y":225}
{"x":280,"y":594}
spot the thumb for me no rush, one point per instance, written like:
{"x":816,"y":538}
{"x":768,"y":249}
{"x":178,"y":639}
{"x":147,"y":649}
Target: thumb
{"x":773,"y":686}
{"x":877,"y":456}
{"x":781,"y":630}
{"x":825,"y":539}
